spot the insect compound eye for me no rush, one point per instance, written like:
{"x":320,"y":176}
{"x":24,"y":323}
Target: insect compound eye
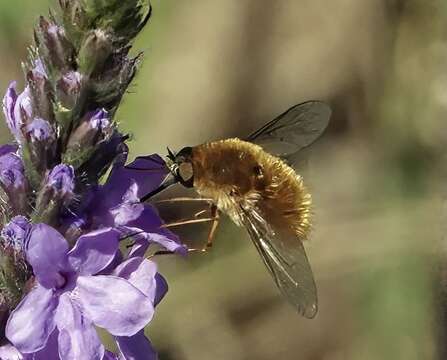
{"x":185,"y":173}
{"x":185,"y":153}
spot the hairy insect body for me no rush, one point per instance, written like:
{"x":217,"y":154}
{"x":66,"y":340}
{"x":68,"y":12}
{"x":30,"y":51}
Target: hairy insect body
{"x":237,"y":173}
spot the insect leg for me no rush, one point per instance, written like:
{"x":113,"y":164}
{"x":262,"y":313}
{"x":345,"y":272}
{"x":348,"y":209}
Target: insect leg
{"x":179,"y":199}
{"x":215,"y":215}
{"x":187,"y":221}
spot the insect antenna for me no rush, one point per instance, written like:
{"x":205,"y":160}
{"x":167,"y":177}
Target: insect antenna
{"x":171,"y":155}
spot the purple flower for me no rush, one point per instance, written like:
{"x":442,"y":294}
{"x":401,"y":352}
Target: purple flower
{"x":61,"y":181}
{"x":40,"y":130}
{"x":15,"y":232}
{"x":100,"y":118}
{"x":71,"y":297}
{"x":39,"y":69}
{"x":116,"y":204}
{"x":95,"y":128}
{"x":12,"y":172}
{"x":9,"y":102}
{"x":69,"y":88}
{"x":71,"y":82}
{"x":12,"y":178}
{"x":17,"y":109}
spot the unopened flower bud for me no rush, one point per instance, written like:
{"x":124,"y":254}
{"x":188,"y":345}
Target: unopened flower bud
{"x":61,"y":181}
{"x":13,"y":179}
{"x":23,"y":109}
{"x":14,"y":233}
{"x":40,"y":130}
{"x":17,"y":109}
{"x":94,"y":52}
{"x":69,"y":88}
{"x":37,"y":79}
{"x":94,"y":129}
{"x":41,"y":139}
{"x":12,"y":175}
{"x":54,"y":46}
{"x":56,"y":193}
{"x":9,"y":101}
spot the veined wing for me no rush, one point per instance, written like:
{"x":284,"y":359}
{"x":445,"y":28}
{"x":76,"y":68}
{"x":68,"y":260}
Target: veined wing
{"x":285,"y":258}
{"x":293,"y":130}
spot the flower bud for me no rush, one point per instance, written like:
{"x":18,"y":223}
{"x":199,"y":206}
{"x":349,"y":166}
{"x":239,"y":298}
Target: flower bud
{"x":12,"y":175}
{"x":12,"y":179}
{"x":9,"y":101}
{"x":40,"y":130}
{"x":93,"y":130}
{"x":95,"y":127}
{"x":40,"y":86}
{"x":61,"y":182}
{"x":41,"y":139}
{"x":69,"y":89}
{"x":95,"y":50}
{"x":54,"y":46}
{"x":17,"y":109}
{"x":56,"y":193}
{"x":14,"y":233}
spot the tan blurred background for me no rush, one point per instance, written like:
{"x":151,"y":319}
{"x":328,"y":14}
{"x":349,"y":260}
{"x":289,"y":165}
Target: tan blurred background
{"x":216,"y":69}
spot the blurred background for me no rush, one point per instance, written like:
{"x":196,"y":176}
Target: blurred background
{"x":216,"y":69}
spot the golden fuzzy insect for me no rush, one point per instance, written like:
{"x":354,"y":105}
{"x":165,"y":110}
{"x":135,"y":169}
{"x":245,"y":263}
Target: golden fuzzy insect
{"x":261,"y":192}
{"x":236,"y":173}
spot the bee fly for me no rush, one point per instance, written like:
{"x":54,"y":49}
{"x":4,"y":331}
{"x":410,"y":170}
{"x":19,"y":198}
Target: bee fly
{"x":251,"y":181}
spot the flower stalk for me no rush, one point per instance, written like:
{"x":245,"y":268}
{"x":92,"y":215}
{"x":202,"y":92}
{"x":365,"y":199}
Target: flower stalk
{"x":61,"y":220}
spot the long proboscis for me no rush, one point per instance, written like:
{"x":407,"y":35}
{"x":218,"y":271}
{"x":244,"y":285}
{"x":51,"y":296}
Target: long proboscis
{"x":169,"y":180}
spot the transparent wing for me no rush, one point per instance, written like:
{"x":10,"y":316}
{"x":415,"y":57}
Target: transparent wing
{"x":284,"y":256}
{"x":294,"y":129}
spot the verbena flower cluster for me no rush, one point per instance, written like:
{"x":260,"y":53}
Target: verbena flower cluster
{"x":69,"y":206}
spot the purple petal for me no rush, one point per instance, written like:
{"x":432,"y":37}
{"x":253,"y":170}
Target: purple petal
{"x":137,"y":347}
{"x":15,"y":232}
{"x":169,"y":241}
{"x":162,"y":236}
{"x":32,"y":321}
{"x":140,"y":272}
{"x":50,"y":351}
{"x":108,"y":355}
{"x":40,"y":130}
{"x":149,"y":220}
{"x":8,"y":148}
{"x":46,"y":251}
{"x":61,"y":180}
{"x":147,"y":172}
{"x":12,"y":172}
{"x":39,"y":69}
{"x":9,"y":101}
{"x":23,"y":109}
{"x":114,"y":304}
{"x":71,"y":83}
{"x":78,"y":339}
{"x":140,"y":247}
{"x":9,"y":352}
{"x":94,"y":251}
{"x":161,"y":288}
{"x":130,"y":209}
{"x":100,"y":119}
